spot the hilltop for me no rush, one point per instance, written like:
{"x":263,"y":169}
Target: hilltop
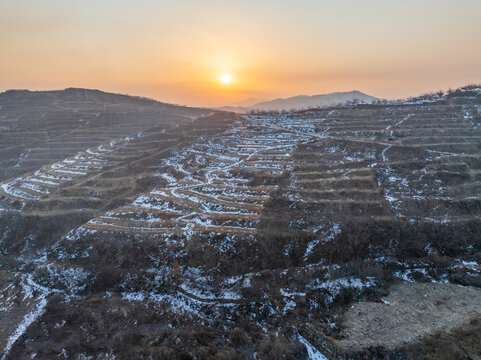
{"x":75,"y":95}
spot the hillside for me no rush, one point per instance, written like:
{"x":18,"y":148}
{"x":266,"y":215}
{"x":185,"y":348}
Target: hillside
{"x":164,"y":232}
{"x":39,"y":127}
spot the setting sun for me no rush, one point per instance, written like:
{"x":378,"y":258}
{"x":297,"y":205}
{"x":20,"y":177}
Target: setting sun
{"x":226,"y":79}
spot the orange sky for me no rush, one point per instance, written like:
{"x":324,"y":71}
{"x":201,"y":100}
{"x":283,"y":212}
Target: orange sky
{"x":176,"y":52}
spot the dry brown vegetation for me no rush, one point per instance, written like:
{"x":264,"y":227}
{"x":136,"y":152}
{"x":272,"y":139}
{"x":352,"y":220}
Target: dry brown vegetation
{"x":226,"y":236}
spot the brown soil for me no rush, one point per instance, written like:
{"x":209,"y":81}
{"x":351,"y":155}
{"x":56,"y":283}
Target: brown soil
{"x":416,"y":320}
{"x":410,"y":312}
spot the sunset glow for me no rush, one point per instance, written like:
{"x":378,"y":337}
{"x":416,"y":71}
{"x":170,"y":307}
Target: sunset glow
{"x":177,"y":52}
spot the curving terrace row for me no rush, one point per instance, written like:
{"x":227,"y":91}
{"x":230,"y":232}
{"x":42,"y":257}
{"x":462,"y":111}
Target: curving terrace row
{"x":212,"y":186}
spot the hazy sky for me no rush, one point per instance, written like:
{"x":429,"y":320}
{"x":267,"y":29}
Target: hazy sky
{"x":176,"y":51}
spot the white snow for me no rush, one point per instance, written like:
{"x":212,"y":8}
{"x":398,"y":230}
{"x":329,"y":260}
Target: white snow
{"x":383,"y":153}
{"x":24,"y":324}
{"x":312,"y":352}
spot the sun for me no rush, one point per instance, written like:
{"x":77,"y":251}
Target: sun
{"x":225,"y":79}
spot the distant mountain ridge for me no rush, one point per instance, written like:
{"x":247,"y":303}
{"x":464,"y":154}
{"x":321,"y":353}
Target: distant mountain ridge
{"x":98,"y":96}
{"x":305,"y":102}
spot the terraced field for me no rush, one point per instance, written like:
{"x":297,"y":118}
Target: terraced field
{"x":225,"y":231}
{"x":211,"y":186}
{"x":370,"y":156}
